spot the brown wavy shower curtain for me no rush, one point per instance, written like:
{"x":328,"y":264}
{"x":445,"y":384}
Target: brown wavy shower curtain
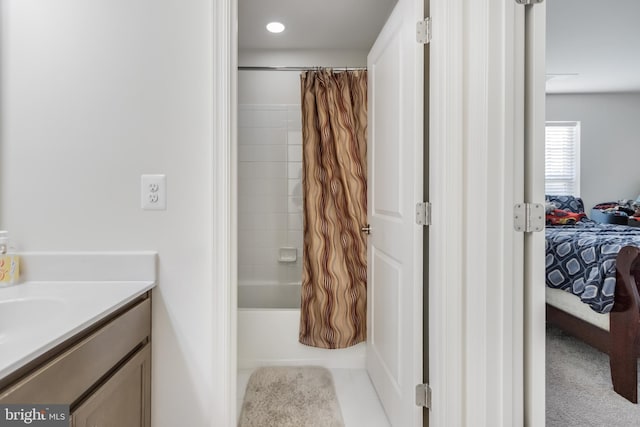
{"x":334,"y":278}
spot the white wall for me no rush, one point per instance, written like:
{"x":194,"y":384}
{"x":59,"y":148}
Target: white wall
{"x":94,"y":94}
{"x":609,"y":142}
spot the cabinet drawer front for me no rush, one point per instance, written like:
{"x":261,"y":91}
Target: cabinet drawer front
{"x":69,"y":375}
{"x":122,"y":401}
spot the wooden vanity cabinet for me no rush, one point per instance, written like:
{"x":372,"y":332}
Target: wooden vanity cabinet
{"x":104,"y":373}
{"x":123,"y":400}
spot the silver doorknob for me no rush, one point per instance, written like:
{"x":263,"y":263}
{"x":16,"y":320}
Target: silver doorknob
{"x":366,"y":229}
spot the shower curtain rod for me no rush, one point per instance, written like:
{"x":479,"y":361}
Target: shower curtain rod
{"x":265,"y":68}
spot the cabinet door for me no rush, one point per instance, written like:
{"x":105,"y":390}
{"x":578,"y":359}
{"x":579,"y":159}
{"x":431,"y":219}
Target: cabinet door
{"x":123,"y":400}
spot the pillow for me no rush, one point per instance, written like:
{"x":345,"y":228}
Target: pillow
{"x":567,"y":203}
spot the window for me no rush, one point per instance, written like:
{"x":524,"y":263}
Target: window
{"x":562,"y":158}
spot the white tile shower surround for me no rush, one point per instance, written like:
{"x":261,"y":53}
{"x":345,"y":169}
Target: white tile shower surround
{"x":358,"y":400}
{"x":269,"y":191}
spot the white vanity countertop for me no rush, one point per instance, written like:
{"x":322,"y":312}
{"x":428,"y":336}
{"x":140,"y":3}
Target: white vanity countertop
{"x":37,"y":315}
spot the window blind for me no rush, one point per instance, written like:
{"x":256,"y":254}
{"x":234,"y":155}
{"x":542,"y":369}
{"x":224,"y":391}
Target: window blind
{"x":562,"y":158}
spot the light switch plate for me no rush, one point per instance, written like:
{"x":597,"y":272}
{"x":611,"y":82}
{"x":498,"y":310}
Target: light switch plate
{"x":153,"y":191}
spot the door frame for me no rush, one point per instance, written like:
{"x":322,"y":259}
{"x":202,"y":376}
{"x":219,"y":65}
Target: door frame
{"x":445,"y":234}
{"x":535,"y":315}
{"x":474,"y":83}
{"x":476,"y":259}
{"x":223,"y":234}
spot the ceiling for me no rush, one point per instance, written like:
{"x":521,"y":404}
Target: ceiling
{"x":312,"y":24}
{"x":592,"y":45}
{"x":599,"y":40}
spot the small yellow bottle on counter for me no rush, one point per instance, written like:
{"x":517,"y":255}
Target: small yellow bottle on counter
{"x":9,"y":262}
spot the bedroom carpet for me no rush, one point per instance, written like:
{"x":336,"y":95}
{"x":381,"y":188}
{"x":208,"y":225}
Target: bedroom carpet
{"x":296,"y":396}
{"x":579,"y":391}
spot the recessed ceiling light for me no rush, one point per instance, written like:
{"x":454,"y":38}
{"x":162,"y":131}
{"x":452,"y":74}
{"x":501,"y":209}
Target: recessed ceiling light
{"x":275,"y":27}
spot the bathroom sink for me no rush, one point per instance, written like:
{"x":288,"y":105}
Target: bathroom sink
{"x":37,"y":316}
{"x":20,"y":316}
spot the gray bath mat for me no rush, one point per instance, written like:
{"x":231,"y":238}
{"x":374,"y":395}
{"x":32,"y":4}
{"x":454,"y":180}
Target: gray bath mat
{"x":296,"y":396}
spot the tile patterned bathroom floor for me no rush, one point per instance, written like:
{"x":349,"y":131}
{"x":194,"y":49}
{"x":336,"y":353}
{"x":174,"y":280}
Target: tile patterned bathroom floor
{"x":358,"y":400}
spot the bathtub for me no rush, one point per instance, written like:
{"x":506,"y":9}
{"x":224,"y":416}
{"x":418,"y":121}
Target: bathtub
{"x":268,"y":321}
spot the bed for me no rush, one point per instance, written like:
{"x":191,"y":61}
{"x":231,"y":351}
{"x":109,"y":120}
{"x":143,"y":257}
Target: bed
{"x":592,"y":272}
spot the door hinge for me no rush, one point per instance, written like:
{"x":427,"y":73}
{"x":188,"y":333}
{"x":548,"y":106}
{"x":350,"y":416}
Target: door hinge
{"x":423,"y":213}
{"x":423,"y":31}
{"x":528,"y":217}
{"x":528,"y":2}
{"x":423,"y":396}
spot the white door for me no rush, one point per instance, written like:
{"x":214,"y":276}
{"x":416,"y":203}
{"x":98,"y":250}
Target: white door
{"x":395,"y":184}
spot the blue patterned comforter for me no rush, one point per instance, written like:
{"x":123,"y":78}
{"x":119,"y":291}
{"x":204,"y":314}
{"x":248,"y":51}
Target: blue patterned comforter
{"x":581,"y":259}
